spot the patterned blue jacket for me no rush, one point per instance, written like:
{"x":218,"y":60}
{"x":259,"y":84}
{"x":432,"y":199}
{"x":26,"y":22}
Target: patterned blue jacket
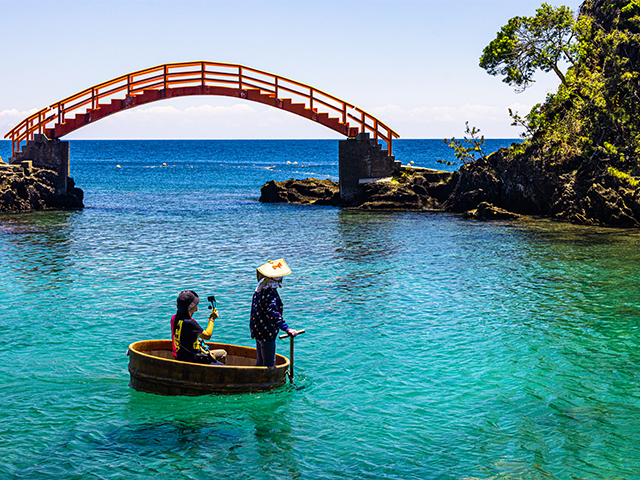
{"x":266,"y":315}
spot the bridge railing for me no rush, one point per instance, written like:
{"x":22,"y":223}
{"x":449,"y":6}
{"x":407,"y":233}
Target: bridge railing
{"x":188,"y":74}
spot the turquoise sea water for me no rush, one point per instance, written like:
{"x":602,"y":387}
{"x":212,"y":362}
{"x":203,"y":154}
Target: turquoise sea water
{"x":436,"y":348}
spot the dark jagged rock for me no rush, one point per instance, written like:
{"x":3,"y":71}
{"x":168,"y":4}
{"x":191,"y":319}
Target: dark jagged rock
{"x":587,"y":195}
{"x":395,"y":196}
{"x":494,"y":188}
{"x":520,"y":186}
{"x":584,"y":196}
{"x":412,"y":189}
{"x":602,"y":199}
{"x":308,"y":191}
{"x":28,"y":189}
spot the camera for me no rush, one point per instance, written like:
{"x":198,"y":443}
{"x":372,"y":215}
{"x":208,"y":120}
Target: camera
{"x":212,"y":299}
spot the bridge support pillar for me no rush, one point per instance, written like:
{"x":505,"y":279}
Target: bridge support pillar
{"x":362,"y":160}
{"x":45,"y":153}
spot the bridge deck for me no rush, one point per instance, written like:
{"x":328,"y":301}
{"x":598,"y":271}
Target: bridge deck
{"x":197,"y":78}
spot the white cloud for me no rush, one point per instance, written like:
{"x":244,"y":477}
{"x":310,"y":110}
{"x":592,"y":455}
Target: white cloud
{"x":237,"y":109}
{"x":444,"y":121}
{"x":240,"y":119}
{"x":230,"y":120}
{"x":440,"y":114}
{"x":10,"y":118}
{"x":522,"y":109}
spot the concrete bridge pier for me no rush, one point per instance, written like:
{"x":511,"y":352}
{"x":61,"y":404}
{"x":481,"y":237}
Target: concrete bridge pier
{"x":50,"y":154}
{"x":362,"y":160}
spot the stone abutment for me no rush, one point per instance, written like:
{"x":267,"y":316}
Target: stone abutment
{"x":50,"y":154}
{"x":362,"y":160}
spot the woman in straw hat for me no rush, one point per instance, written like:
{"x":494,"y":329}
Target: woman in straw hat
{"x":266,"y":311}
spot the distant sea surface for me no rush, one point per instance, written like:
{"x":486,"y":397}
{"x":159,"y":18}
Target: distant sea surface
{"x":436,"y":347}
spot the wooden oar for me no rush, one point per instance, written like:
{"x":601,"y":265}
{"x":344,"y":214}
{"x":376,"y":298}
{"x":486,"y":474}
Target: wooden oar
{"x":291,"y":351}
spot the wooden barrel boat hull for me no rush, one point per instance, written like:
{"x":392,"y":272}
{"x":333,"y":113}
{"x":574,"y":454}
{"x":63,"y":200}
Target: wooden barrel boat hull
{"x":153,"y":369}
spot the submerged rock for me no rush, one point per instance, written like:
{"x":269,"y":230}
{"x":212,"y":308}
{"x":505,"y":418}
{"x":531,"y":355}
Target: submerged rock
{"x":486,"y":211}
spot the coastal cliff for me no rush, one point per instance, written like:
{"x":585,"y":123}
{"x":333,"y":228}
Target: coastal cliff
{"x":572,"y":191}
{"x":580,"y":159}
{"x":24,"y":188}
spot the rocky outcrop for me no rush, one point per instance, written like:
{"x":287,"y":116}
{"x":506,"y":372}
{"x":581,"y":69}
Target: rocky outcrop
{"x":308,"y":191}
{"x":602,"y":199}
{"x":411,"y":189}
{"x":390,"y":195}
{"x":589,"y":195}
{"x":523,"y":187}
{"x":493,"y":188}
{"x":24,"y":188}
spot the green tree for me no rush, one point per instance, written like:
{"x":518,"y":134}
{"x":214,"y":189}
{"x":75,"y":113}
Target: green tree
{"x":465,"y":154}
{"x":527,"y":44}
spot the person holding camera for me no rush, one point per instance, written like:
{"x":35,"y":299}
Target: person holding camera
{"x":266,"y":311}
{"x":187,"y":334}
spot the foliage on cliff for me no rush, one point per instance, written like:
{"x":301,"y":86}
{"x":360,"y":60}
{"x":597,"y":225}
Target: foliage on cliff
{"x":527,"y":44}
{"x":582,"y":145}
{"x":593,"y":117}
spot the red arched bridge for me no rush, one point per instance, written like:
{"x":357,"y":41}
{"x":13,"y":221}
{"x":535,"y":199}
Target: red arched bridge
{"x":197,"y":78}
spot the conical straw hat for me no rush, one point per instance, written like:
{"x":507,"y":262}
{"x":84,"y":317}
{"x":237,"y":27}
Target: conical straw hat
{"x":273,"y":269}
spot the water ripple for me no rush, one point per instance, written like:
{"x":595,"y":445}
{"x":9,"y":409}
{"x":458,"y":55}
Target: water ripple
{"x":435,"y":347}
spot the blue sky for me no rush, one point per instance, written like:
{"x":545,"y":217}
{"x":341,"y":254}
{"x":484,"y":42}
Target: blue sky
{"x":411,"y":63}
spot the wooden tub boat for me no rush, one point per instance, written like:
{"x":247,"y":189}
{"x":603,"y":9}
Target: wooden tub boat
{"x":153,"y":369}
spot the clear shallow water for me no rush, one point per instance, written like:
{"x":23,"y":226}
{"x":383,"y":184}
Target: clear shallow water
{"x":435,"y":347}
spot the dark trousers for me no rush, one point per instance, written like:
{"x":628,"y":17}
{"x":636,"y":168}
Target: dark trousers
{"x":266,"y":354}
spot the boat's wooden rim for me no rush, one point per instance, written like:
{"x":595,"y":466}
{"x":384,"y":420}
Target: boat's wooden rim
{"x":132,"y":347}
